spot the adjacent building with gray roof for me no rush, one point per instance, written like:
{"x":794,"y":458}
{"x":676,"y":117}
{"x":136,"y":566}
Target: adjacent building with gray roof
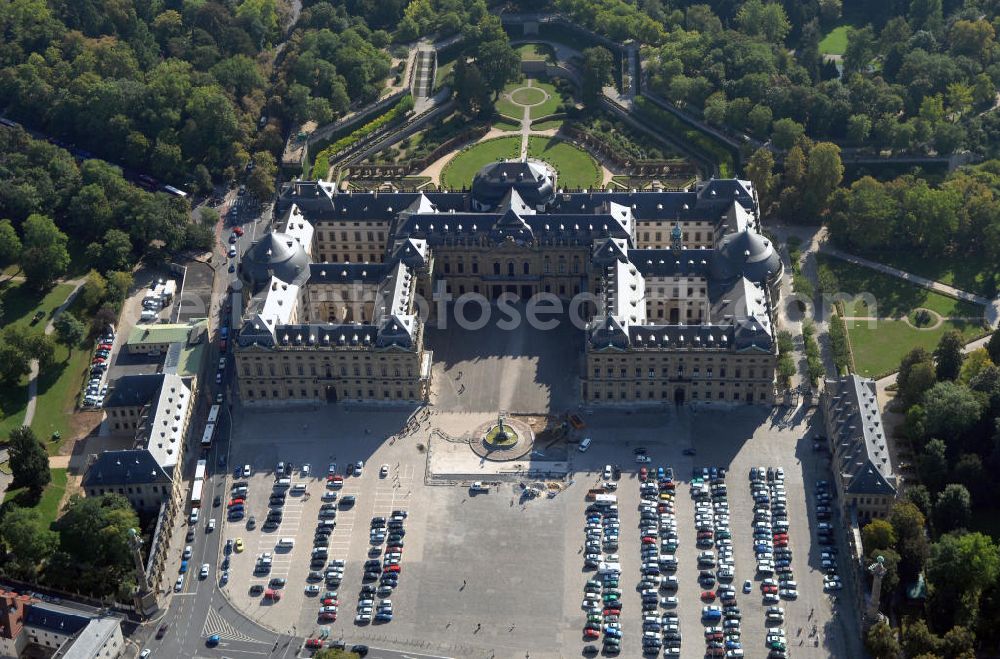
{"x":866,"y":484}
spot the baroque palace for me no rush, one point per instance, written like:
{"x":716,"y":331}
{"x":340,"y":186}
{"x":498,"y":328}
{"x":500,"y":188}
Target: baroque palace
{"x":680,"y":286}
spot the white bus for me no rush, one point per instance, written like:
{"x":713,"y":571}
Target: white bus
{"x":213,"y":413}
{"x":174,"y":191}
{"x":199,"y":470}
{"x":206,"y":438}
{"x":196,"y":492}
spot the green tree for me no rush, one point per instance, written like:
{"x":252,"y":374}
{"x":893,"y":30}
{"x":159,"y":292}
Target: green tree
{"x":881,"y":641}
{"x":28,"y":460}
{"x":261,"y":180}
{"x":10,"y":244}
{"x":878,"y":534}
{"x":94,"y":290}
{"x":973,"y":364}
{"x":69,"y":330}
{"x":208,"y":216}
{"x":119,"y":284}
{"x":786,"y":132}
{"x":859,"y":127}
{"x":823,"y":174}
{"x":919,"y":639}
{"x":759,"y":171}
{"x":769,"y":20}
{"x":953,"y":508}
{"x":960,"y":643}
{"x":916,"y":376}
{"x":498,"y":63}
{"x":933,"y":465}
{"x":919,"y":496}
{"x":993,"y":347}
{"x":958,"y":569}
{"x":597,"y":63}
{"x":45,"y":256}
{"x":911,"y":540}
{"x":28,"y":539}
{"x":759,"y":119}
{"x":15,"y":363}
{"x":951,"y":410}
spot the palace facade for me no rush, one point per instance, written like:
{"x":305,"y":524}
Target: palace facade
{"x":680,"y":286}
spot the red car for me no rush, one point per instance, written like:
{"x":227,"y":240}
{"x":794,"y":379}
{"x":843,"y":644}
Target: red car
{"x":272,"y":594}
{"x":769,"y":589}
{"x":704,"y":534}
{"x":708,"y":596}
{"x":648,"y":540}
{"x":97,"y":360}
{"x":392,"y":568}
{"x":643,"y":473}
{"x":781,"y":543}
{"x":781,"y":536}
{"x":612,"y":612}
{"x":238,"y":231}
{"x":329,"y":617}
{"x":104,"y":346}
{"x":591,"y":633}
{"x":237,"y":501}
{"x":330,"y":602}
{"x":314,"y":643}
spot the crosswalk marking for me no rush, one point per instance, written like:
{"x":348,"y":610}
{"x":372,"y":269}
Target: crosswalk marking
{"x":216,"y":624}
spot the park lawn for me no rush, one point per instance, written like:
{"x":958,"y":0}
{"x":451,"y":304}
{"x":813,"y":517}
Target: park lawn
{"x":534,"y":52}
{"x":458,"y":173}
{"x":969,"y":272}
{"x":835,"y":42}
{"x":59,"y":387}
{"x":505,"y":106}
{"x":20,"y":303}
{"x":443,"y":75}
{"x":505,"y":124}
{"x":547,"y":125}
{"x":577,"y":169}
{"x":879,"y":349}
{"x":48,"y":504}
{"x":551,"y":104}
{"x":894,"y":297}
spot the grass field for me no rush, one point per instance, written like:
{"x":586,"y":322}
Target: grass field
{"x":459,"y":171}
{"x":528,"y":96}
{"x":58,"y":385}
{"x":546,"y":125}
{"x":577,"y":169}
{"x":878,"y":350}
{"x":48,"y":505}
{"x":534,"y":52}
{"x":508,"y":108}
{"x":506,"y":124}
{"x":835,"y":42}
{"x":973,"y":273}
{"x":894,"y":297}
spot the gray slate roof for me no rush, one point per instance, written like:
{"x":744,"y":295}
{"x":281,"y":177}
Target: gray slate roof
{"x":134,"y":390}
{"x":857,"y":436}
{"x":128,"y":467}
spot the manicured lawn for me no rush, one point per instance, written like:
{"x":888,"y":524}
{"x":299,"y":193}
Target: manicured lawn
{"x":48,"y":504}
{"x":893,"y":297}
{"x":505,"y":124}
{"x":20,"y":304}
{"x":878,"y":350}
{"x":508,"y":108}
{"x":546,"y":125}
{"x":459,"y":171}
{"x":58,"y":389}
{"x":534,"y":51}
{"x":973,"y":273}
{"x":577,"y":169}
{"x":835,"y":42}
{"x":528,"y":96}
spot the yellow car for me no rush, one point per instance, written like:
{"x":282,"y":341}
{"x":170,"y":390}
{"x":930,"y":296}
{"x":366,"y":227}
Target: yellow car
{"x":238,"y":545}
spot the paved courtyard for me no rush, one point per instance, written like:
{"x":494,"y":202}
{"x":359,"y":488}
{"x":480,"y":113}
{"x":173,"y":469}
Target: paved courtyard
{"x":489,"y":576}
{"x":524,"y":369}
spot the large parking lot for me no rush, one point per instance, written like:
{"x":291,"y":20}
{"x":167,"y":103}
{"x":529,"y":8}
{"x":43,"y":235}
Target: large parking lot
{"x":494,"y":575}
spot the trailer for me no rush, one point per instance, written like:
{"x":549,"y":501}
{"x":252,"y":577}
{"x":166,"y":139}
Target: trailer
{"x":206,"y":438}
{"x":199,"y":470}
{"x":196,"y":492}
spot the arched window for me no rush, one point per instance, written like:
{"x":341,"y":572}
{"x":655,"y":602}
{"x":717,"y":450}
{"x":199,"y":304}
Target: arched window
{"x":527,"y":268}
{"x":496,"y":268}
{"x":510,"y":268}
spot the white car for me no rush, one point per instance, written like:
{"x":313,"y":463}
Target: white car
{"x":669,"y":602}
{"x":331,"y":469}
{"x":643,"y":459}
{"x":247,"y":471}
{"x":179,"y":584}
{"x":187,"y":552}
{"x":383,"y":471}
{"x":193,"y":519}
{"x":211,"y":525}
{"x":359,"y":467}
{"x":305,"y":469}
{"x":204,"y":571}
{"x":608,"y":472}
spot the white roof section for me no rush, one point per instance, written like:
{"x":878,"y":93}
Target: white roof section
{"x":166,"y":428}
{"x":280,"y":303}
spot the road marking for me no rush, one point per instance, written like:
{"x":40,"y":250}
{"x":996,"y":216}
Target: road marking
{"x":216,"y":624}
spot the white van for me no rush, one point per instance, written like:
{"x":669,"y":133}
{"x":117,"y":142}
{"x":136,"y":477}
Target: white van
{"x":298,"y":488}
{"x":609,"y":568}
{"x":283,"y":483}
{"x":585,"y":444}
{"x":285,"y":543}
